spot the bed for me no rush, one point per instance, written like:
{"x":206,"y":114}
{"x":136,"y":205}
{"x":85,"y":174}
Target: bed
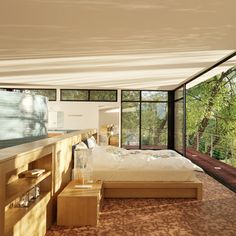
{"x":144,"y":173}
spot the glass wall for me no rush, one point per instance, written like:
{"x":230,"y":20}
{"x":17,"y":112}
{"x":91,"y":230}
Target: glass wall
{"x":179,"y":121}
{"x":88,"y":95}
{"x":74,"y":95}
{"x":130,"y":124}
{"x":211,"y":114}
{"x":144,"y":119}
{"x":154,"y":125}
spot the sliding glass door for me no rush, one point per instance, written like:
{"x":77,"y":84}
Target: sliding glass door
{"x":144,"y":119}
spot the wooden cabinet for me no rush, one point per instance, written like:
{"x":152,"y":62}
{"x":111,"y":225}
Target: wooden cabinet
{"x":76,"y":206}
{"x":17,"y":219}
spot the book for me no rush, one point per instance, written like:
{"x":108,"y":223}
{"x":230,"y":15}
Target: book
{"x":34,"y":173}
{"x":83,"y":186}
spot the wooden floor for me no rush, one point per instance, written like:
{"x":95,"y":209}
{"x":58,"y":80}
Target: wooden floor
{"x":224,"y":173}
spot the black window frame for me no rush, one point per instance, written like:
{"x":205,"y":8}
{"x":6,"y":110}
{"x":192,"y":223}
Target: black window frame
{"x":71,"y":100}
{"x":176,"y":100}
{"x":184,"y":85}
{"x":127,"y":90}
{"x":89,"y":98}
{"x":22,"y":91}
{"x":104,"y":90}
{"x":169,"y":113}
{"x":154,"y":100}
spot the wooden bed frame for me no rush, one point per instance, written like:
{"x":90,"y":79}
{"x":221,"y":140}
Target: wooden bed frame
{"x":152,"y":189}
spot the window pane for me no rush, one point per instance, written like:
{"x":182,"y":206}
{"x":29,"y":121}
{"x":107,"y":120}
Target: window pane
{"x":179,"y":123}
{"x":179,"y":93}
{"x":103,"y":95}
{"x":154,"y":125}
{"x":49,"y":93}
{"x":74,"y":95}
{"x":130,"y":95}
{"x":130,"y":125}
{"x":154,"y":96}
{"x":23,"y":118}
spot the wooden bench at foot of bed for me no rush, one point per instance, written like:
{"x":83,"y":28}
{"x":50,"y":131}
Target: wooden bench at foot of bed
{"x":152,"y":189}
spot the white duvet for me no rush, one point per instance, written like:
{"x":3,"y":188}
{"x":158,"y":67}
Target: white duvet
{"x":117,"y":164}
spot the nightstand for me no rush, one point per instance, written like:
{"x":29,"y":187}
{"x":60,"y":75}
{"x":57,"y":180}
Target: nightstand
{"x":79,"y":206}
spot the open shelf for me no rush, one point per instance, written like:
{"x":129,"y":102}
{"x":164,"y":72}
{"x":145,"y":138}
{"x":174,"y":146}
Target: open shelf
{"x":21,"y":186}
{"x":13,"y":215}
{"x":52,"y":155}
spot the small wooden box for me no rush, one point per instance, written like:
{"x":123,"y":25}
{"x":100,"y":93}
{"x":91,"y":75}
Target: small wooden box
{"x":79,"y":207}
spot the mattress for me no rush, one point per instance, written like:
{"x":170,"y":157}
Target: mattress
{"x":117,"y":164}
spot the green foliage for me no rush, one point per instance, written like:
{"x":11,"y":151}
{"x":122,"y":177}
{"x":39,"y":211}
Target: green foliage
{"x":154,"y":123}
{"x":130,"y":123}
{"x":154,"y":96}
{"x":103,"y":95}
{"x":74,"y":95}
{"x":146,"y":95}
{"x":49,"y":93}
{"x":153,"y":118}
{"x":211,"y":109}
{"x":88,"y":95}
{"x":179,"y":123}
{"x":130,"y":95}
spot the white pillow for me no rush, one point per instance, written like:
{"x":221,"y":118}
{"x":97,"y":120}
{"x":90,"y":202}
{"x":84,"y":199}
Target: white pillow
{"x":91,"y":142}
{"x":92,"y":137}
{"x":81,"y":145}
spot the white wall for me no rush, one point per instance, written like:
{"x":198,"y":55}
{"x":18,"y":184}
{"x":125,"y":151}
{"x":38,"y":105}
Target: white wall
{"x":79,"y":115}
{"x":76,"y":115}
{"x":108,"y":118}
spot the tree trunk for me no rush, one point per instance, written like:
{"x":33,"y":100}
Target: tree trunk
{"x":214,"y":92}
{"x":161,"y":127}
{"x":216,"y":141}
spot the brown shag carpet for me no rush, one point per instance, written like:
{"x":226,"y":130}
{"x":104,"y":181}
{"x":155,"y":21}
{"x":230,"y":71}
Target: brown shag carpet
{"x":215,"y":215}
